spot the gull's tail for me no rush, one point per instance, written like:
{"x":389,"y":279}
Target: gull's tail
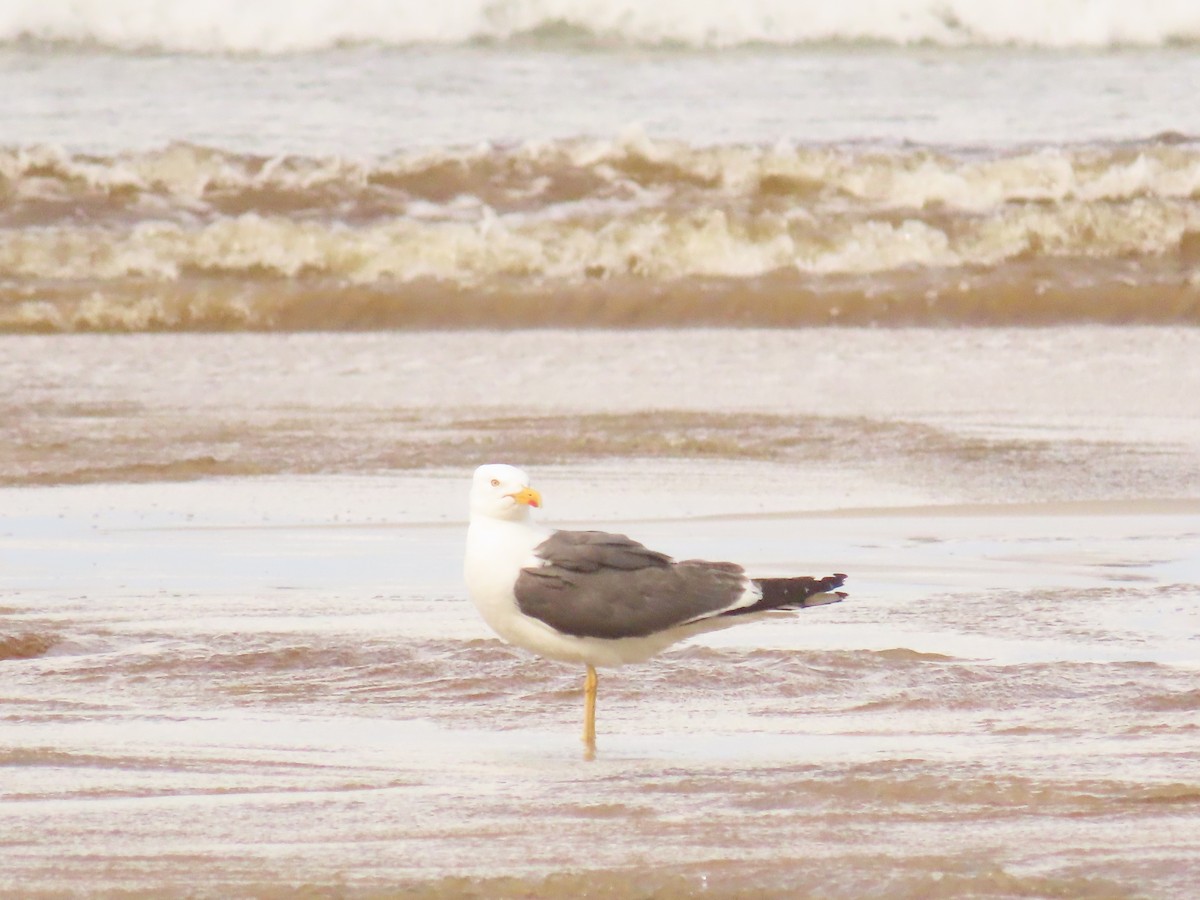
{"x":794,"y":593}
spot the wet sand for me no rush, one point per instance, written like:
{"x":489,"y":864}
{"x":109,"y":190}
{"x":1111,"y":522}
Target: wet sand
{"x":270,"y":685}
{"x":237,"y":655}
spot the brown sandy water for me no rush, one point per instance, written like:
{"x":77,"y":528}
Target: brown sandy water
{"x":236,"y":655}
{"x":587,"y":232}
{"x":945,"y":415}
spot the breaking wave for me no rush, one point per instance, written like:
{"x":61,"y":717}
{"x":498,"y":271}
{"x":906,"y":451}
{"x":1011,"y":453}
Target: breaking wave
{"x":277,"y":26}
{"x":26,"y":645}
{"x":624,"y":231}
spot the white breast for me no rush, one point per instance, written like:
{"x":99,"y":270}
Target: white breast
{"x":496,"y":552}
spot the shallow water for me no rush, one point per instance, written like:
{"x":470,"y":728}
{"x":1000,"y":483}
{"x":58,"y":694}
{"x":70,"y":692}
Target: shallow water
{"x":200,"y":700}
{"x":238,"y":655}
{"x":863,"y":416}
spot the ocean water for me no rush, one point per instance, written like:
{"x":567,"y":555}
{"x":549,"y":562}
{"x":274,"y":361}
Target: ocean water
{"x":274,"y":277}
{"x":238,"y":657}
{"x":285,"y":167}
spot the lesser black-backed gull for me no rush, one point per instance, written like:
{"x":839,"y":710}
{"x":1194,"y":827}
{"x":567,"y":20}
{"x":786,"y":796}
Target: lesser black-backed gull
{"x":602,"y":599}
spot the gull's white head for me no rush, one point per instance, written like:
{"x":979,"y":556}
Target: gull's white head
{"x":502,"y":492}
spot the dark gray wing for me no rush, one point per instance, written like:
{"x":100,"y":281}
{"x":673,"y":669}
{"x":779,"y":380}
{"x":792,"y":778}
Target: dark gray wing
{"x":596,"y":584}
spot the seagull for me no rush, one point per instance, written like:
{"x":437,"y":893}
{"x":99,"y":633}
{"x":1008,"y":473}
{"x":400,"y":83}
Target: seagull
{"x":602,"y":599}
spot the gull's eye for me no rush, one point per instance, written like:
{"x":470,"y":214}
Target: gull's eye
{"x":495,"y":482}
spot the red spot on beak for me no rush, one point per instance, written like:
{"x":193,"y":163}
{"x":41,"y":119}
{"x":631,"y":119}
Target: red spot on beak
{"x":528,"y":496}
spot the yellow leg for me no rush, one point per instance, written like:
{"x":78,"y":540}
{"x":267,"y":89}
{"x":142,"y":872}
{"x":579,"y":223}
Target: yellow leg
{"x":589,"y":708}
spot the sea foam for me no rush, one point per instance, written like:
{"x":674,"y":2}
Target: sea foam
{"x":281,"y":26}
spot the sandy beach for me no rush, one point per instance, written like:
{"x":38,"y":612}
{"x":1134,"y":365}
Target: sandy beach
{"x":239,"y":659}
{"x":906,"y":291}
{"x":272,"y":685}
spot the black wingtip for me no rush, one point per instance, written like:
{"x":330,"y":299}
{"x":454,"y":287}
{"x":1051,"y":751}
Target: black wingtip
{"x":831,"y":583}
{"x":795,"y":593}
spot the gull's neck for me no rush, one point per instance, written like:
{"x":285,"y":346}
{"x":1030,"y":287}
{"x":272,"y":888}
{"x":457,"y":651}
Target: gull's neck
{"x":497,"y":549}
{"x":521,"y":523}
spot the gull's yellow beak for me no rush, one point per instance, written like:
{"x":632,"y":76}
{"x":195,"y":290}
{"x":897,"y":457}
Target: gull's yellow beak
{"x":528,"y":496}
